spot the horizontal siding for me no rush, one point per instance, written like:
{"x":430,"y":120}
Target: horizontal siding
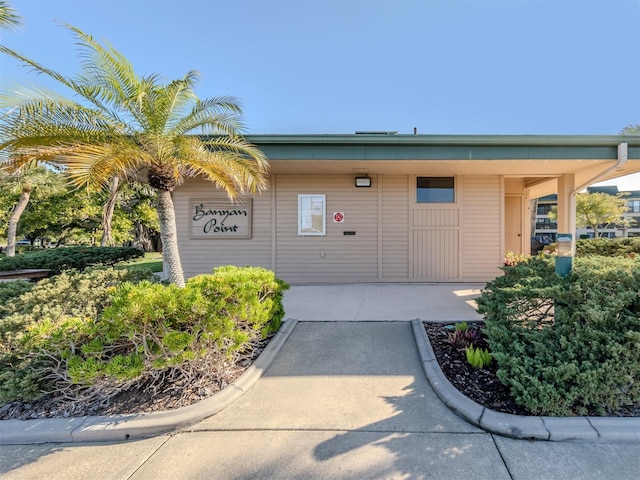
{"x":482,"y":226}
{"x":436,"y":218}
{"x":203,"y":255}
{"x":333,"y":257}
{"x":451,"y":243}
{"x":395,"y":231}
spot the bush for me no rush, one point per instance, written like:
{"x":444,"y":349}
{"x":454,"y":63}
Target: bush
{"x":222,"y":314}
{"x":67,"y":306}
{"x":67,"y":258}
{"x":609,"y":247}
{"x":567,"y":346}
{"x":11,"y":290}
{"x":118,"y":334}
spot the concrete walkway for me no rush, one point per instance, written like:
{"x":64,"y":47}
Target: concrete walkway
{"x":340,"y":400}
{"x":433,"y":302}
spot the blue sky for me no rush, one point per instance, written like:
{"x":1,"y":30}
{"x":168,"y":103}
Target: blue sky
{"x":305,"y":66}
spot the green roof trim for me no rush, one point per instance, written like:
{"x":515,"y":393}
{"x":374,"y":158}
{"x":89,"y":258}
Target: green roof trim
{"x":444,"y":147}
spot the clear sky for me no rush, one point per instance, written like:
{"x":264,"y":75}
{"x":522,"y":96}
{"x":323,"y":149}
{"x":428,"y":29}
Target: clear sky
{"x":322,"y":66}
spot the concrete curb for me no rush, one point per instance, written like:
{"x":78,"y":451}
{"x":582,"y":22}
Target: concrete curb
{"x":610,"y":429}
{"x":126,"y":427}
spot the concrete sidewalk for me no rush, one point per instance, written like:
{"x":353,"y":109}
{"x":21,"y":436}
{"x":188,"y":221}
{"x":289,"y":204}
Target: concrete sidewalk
{"x":434,"y":302}
{"x":340,"y":400}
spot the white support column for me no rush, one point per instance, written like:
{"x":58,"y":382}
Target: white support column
{"x":567,"y":204}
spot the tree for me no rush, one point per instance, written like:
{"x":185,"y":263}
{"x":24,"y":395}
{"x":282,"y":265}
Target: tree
{"x":9,"y":19}
{"x":631,"y":130}
{"x":108,"y":209}
{"x":132,"y":124}
{"x":69,"y":215}
{"x":597,"y":210}
{"x":25,"y":182}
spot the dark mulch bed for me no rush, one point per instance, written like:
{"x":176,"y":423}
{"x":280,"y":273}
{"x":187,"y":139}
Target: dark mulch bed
{"x":173,"y":392}
{"x":482,"y":385}
{"x":479,"y":384}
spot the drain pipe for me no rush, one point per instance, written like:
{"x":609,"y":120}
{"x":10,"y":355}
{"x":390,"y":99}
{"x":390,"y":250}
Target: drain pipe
{"x":622,"y":159}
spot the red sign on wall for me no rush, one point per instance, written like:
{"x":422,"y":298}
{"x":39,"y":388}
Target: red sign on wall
{"x":338,"y":217}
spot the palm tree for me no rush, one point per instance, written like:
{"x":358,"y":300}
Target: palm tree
{"x":25,"y":182}
{"x":9,"y":19}
{"x":131,"y":124}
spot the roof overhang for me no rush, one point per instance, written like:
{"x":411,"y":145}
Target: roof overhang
{"x":537,"y":158}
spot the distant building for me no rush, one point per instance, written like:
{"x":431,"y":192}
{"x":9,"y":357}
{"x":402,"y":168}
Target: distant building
{"x":546,"y":226}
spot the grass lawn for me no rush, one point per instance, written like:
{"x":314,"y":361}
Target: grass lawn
{"x":152,"y":261}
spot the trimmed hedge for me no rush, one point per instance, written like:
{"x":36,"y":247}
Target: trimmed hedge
{"x":67,"y":258}
{"x":609,"y":247}
{"x":567,"y":346}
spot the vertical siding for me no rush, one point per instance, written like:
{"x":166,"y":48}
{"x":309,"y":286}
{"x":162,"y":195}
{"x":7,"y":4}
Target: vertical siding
{"x":335,"y":257}
{"x":482,"y":228}
{"x":435,"y":238}
{"x":437,"y":255}
{"x":395,"y":228}
{"x":203,"y":255}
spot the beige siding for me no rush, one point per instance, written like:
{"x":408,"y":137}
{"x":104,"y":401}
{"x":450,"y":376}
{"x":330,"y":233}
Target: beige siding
{"x":202,"y":255}
{"x":395,"y":228}
{"x":436,"y":255}
{"x":482,"y":228}
{"x":333,"y":257}
{"x":395,"y":239}
{"x":434,"y":238}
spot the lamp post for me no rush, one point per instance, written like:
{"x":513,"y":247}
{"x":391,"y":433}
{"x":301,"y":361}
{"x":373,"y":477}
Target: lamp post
{"x":564,"y":253}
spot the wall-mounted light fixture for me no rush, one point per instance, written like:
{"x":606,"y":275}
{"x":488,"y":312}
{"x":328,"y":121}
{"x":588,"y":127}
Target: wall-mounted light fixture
{"x":363,"y":181}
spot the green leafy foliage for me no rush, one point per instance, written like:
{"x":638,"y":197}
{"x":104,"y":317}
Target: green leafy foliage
{"x":567,"y":346}
{"x":11,"y":290}
{"x":41,"y":326}
{"x":462,"y":326}
{"x":222,"y":312}
{"x":477,"y":357}
{"x":609,"y":247}
{"x":104,"y":327}
{"x":59,"y":259}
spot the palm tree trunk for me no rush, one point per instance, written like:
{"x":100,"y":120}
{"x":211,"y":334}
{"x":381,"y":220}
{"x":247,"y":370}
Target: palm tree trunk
{"x":107,"y":215}
{"x":14,"y":219}
{"x":169,"y":235}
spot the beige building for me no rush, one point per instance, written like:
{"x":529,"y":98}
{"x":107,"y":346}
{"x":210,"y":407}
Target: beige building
{"x":382,"y":207}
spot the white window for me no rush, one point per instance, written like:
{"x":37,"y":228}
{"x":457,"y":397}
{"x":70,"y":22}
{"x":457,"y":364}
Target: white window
{"x":311,"y":214}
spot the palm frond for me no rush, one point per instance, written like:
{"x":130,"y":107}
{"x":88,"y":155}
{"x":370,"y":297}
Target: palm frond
{"x":36,"y":67}
{"x":238,"y":145}
{"x":9,"y":19}
{"x":50,"y":121}
{"x":106,"y":69}
{"x":212,"y":116}
{"x":93,"y":165}
{"x":237,"y":173}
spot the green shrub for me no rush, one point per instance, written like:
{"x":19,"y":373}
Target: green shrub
{"x":221,"y":312}
{"x":609,"y":247}
{"x":67,"y":258}
{"x":52,"y":316}
{"x":11,"y":290}
{"x":109,"y":332}
{"x":567,"y":346}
